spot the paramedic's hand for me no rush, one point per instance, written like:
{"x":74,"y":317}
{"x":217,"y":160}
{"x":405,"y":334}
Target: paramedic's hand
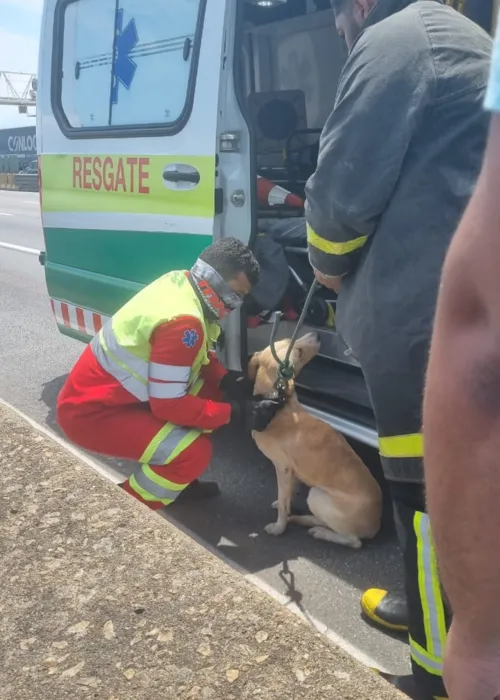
{"x":471,"y":670}
{"x":261,"y":413}
{"x":328,"y":282}
{"x":236,"y":386}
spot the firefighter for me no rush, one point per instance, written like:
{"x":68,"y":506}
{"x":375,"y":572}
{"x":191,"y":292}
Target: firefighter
{"x":149,"y":387}
{"x":399,"y":157}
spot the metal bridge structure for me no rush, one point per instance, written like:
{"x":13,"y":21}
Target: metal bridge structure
{"x":18,"y":90}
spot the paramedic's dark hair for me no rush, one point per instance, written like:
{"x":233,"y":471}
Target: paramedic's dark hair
{"x":229,"y":257}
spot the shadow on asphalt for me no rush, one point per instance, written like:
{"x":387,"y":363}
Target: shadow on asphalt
{"x":233,"y":524}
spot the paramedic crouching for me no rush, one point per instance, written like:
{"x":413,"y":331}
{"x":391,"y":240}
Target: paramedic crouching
{"x":150,"y":388}
{"x":399,"y":157}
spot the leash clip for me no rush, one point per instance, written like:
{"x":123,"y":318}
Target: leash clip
{"x":285,"y":367}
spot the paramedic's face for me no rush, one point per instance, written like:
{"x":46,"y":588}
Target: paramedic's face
{"x":240,"y":284}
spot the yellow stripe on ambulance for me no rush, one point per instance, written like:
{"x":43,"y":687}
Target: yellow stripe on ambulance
{"x":127,"y":184}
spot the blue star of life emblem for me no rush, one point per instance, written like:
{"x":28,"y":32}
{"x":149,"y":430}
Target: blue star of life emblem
{"x":190,"y":338}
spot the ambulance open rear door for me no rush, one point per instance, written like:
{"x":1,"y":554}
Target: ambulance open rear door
{"x":128,"y":110}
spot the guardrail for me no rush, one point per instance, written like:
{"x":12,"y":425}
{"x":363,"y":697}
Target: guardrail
{"x":26,"y":182}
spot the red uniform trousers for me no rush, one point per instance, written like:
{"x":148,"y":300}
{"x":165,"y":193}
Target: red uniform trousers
{"x":125,"y":431}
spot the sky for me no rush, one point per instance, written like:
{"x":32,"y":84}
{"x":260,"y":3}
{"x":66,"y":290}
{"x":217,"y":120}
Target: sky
{"x":19,"y":41}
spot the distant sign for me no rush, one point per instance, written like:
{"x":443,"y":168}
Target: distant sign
{"x":20,"y":142}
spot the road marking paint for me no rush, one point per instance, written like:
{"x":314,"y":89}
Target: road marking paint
{"x":319,"y":626}
{"x":19,"y":248}
{"x":104,"y":470}
{"x":30,"y":201}
{"x":5,"y":214}
{"x":115,"y":477}
{"x":283,"y":600}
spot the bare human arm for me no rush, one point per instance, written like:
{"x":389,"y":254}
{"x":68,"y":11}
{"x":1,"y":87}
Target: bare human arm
{"x":462,"y":439}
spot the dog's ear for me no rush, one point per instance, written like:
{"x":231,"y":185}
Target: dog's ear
{"x":253,"y":366}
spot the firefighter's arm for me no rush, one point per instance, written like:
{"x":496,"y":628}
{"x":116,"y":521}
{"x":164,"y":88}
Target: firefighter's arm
{"x":382,"y":95}
{"x":462,"y":430}
{"x":174,"y":347}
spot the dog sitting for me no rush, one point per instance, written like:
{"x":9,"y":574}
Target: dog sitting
{"x":344,"y":498}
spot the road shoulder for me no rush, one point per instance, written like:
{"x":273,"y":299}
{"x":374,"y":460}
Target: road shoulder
{"x":103,"y":599}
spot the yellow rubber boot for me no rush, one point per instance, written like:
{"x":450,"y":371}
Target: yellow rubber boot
{"x":385,"y":610}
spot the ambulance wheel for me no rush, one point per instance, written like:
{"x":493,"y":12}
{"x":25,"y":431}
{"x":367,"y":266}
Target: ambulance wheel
{"x":318,"y":312}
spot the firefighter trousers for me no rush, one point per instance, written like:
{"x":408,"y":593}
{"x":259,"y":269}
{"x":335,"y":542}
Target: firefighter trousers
{"x":429,"y":615}
{"x":395,"y":379}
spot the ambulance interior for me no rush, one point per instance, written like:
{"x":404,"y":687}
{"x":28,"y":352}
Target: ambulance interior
{"x":290,"y":67}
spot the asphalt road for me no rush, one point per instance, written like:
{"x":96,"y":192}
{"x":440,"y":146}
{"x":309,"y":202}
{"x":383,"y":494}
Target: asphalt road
{"x":324,"y":580}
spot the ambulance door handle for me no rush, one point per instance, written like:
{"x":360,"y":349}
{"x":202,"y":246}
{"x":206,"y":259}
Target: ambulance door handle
{"x":180,"y":176}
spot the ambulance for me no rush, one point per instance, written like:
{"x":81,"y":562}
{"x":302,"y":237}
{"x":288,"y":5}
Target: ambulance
{"x":163,"y":125}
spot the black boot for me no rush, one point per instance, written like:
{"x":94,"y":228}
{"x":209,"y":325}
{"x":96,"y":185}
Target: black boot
{"x":199,"y":491}
{"x":386,"y":610}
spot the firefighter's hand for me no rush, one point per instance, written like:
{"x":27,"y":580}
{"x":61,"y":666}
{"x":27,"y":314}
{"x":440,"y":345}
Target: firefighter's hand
{"x":333,"y":283}
{"x":236,"y":386}
{"x":471,"y":670}
{"x":261,"y":412}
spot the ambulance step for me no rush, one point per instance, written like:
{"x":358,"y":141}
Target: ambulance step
{"x":336,"y":388}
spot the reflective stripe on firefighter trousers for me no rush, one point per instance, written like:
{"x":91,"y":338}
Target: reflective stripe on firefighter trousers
{"x":130,"y":371}
{"x":431,"y":657}
{"x":167,"y":444}
{"x":402,"y":457}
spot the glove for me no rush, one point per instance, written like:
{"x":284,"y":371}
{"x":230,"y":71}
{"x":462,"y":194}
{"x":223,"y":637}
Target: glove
{"x":261,"y":413}
{"x":236,"y":412}
{"x":236,"y":386}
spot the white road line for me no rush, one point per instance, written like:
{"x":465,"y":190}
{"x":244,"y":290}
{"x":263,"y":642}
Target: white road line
{"x":5,"y":214}
{"x":30,"y":201}
{"x":265,"y":587}
{"x":115,"y":477}
{"x":105,"y":471}
{"x":20,"y":248}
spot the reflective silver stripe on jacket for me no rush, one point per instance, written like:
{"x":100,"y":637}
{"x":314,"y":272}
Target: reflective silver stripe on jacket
{"x":169,"y":373}
{"x":168,"y":445}
{"x":119,"y":363}
{"x":160,"y":492}
{"x":167,"y":390}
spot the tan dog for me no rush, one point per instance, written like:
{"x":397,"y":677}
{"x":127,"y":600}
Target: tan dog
{"x":344,"y":498}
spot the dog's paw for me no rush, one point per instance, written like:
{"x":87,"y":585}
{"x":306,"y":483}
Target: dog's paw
{"x":274,"y":529}
{"x":274,"y":505}
{"x":316,"y":532}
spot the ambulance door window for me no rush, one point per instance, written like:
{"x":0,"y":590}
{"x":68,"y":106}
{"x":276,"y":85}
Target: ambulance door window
{"x":86,"y":62}
{"x":127,"y":63}
{"x":163,"y":56}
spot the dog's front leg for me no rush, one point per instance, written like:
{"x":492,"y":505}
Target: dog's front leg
{"x":286,"y":482}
